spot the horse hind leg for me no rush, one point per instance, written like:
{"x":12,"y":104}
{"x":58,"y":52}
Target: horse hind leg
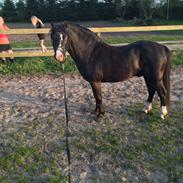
{"x":151,"y":90}
{"x":162,"y":95}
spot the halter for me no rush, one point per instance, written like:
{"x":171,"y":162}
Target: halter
{"x":61,"y":49}
{"x":60,"y":45}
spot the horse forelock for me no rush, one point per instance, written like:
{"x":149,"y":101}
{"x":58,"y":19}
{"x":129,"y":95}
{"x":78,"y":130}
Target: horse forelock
{"x":59,"y":28}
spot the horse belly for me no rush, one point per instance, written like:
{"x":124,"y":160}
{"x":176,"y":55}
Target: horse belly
{"x":118,"y":65}
{"x":117,"y":76}
{"x":121,"y":72}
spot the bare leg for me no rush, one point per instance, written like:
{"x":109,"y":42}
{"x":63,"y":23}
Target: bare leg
{"x":43,"y":48}
{"x":11,"y":58}
{"x":3,"y":58}
{"x":96,"y":87}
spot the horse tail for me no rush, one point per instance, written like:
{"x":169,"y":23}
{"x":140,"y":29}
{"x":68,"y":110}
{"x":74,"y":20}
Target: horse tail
{"x":166,"y":76}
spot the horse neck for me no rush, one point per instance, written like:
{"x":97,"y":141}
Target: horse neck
{"x":81,"y":46}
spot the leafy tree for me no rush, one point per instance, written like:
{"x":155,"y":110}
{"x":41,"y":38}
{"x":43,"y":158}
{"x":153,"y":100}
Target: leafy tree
{"x":20,"y":9}
{"x":41,"y":6}
{"x":58,"y":10}
{"x":148,"y":8}
{"x":52,"y":9}
{"x":68,"y":10}
{"x":1,"y":4}
{"x":8,"y":10}
{"x":176,"y":9}
{"x":92,"y":9}
{"x":108,"y":9}
{"x":31,"y":8}
{"x":132,"y":9}
{"x":120,"y":8}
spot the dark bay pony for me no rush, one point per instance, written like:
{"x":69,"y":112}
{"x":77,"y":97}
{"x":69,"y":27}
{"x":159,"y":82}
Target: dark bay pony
{"x":99,"y":62}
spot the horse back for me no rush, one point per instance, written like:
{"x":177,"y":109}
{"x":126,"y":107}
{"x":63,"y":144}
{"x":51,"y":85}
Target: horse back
{"x":118,"y":63}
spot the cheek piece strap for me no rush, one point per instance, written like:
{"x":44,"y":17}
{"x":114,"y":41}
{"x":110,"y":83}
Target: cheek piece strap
{"x":60,"y":47}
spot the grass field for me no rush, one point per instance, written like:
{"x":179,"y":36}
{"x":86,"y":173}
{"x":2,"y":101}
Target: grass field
{"x":49,"y":65}
{"x":29,"y":66}
{"x":136,"y":148}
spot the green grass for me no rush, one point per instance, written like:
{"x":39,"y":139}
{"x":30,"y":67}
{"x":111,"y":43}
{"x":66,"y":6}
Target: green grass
{"x":27,"y":44}
{"x":130,"y":39}
{"x":139,"y":142}
{"x":48,"y":65}
{"x":177,"y":58}
{"x":23,"y":157}
{"x":30,"y":66}
{"x":176,"y":36}
{"x":172,"y":22}
{"x":23,"y":163}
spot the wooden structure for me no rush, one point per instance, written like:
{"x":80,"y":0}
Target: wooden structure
{"x":38,"y":53}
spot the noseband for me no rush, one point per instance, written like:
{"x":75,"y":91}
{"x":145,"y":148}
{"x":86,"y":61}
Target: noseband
{"x":63,"y":50}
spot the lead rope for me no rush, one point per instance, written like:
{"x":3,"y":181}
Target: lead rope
{"x":67,"y":127}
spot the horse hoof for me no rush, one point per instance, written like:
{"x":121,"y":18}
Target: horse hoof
{"x":146,"y":111}
{"x":100,"y":115}
{"x":164,"y":112}
{"x":162,"y":117}
{"x":148,"y":107}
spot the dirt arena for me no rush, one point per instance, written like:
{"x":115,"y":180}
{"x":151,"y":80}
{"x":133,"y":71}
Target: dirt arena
{"x":32,"y":116}
{"x":38,"y":100}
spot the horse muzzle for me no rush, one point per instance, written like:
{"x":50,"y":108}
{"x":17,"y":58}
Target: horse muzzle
{"x":59,"y":56}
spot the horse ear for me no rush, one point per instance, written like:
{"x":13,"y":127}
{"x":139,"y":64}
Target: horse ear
{"x":52,"y":25}
{"x":65,"y":23}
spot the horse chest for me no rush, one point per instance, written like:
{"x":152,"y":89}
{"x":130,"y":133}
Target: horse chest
{"x":85,"y":71}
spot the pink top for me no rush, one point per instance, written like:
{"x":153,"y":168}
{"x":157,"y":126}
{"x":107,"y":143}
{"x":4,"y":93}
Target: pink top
{"x":4,"y":37}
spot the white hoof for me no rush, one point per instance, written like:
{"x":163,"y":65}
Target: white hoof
{"x":146,"y":111}
{"x":164,"y":112}
{"x":162,"y":116}
{"x":148,"y":107}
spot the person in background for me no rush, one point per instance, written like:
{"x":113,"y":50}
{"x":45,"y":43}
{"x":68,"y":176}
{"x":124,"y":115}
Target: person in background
{"x":36,"y":22}
{"x":4,"y":41}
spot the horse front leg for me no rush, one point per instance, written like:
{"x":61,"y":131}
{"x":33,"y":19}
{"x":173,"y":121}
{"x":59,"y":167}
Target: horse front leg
{"x":96,"y":87}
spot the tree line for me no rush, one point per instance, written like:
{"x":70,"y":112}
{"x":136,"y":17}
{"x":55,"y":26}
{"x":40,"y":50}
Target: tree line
{"x":58,"y":10}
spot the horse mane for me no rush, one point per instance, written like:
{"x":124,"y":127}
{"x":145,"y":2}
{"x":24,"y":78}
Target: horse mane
{"x":82,"y":29}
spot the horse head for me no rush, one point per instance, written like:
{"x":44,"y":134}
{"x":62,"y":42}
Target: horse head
{"x":60,"y":43}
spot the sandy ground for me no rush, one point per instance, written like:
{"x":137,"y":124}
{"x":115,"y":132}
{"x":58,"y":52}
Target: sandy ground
{"x":24,"y":100}
{"x":36,"y":96}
